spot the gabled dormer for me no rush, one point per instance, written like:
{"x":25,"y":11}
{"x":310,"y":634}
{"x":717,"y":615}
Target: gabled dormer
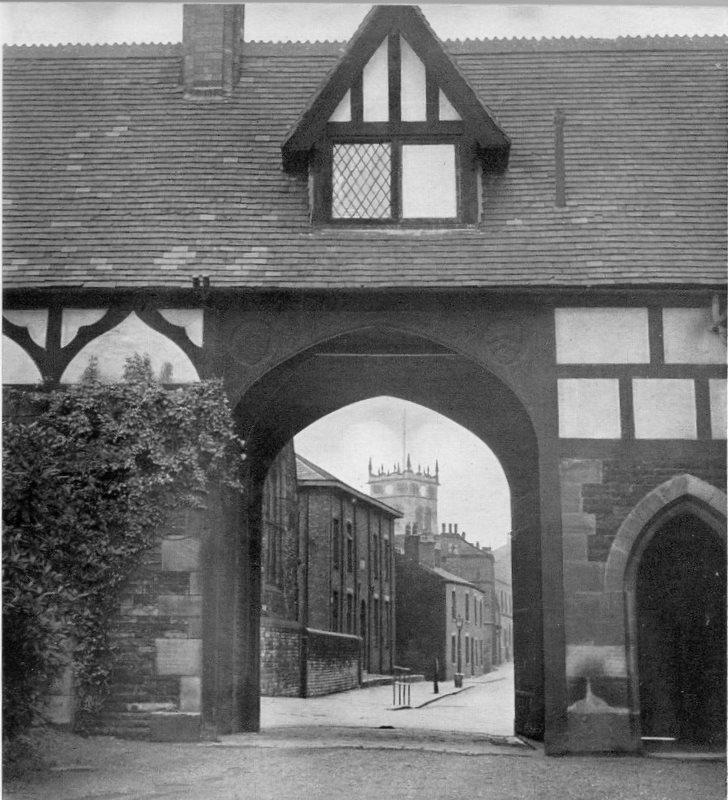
{"x":396,"y":135}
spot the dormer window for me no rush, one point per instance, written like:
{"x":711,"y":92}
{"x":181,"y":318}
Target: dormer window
{"x":396,"y":136}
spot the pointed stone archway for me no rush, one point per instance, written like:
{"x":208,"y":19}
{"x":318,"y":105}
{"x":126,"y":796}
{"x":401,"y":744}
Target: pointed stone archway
{"x":353,"y":367}
{"x":645,"y":583}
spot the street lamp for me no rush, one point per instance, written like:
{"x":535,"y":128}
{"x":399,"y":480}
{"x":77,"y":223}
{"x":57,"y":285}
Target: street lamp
{"x":459,"y":673}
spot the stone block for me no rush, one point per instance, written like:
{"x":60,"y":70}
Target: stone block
{"x":585,"y":524}
{"x":190,"y":693}
{"x":178,"y":656}
{"x":606,"y":660}
{"x":180,"y":605}
{"x":581,"y":470}
{"x":570,"y":498}
{"x":180,"y":555}
{"x":574,"y":547}
{"x":583,"y":576}
{"x":175,"y":726}
{"x":602,"y":733}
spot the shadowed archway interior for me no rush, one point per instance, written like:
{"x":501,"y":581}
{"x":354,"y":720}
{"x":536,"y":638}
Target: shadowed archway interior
{"x":355,"y":367}
{"x":681,"y":633}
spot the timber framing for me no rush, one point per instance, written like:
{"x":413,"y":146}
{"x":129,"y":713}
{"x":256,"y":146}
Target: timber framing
{"x":380,"y":23}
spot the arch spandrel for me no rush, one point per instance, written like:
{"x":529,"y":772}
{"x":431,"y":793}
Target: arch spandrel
{"x":515,"y":346}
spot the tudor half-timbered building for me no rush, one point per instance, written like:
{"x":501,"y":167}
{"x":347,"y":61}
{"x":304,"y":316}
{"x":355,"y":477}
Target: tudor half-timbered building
{"x":527,"y":236}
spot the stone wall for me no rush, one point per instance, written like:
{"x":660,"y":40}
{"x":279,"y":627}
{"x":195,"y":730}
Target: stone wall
{"x":155,"y":683}
{"x":600,"y":497}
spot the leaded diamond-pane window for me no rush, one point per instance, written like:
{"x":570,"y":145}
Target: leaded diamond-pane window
{"x":361,"y":181}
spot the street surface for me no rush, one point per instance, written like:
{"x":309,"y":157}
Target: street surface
{"x":353,"y":746}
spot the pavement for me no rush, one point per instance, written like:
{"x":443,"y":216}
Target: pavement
{"x":483,"y":706}
{"x":354,"y":746}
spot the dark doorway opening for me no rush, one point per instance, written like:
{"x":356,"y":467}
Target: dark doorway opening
{"x":681,"y":608}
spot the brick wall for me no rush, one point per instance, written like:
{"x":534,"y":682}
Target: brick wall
{"x":280,"y":658}
{"x":332,"y":662}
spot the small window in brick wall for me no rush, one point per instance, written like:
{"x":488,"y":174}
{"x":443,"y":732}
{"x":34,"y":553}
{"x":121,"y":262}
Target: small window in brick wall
{"x":335,"y":611}
{"x":336,"y":544}
{"x":349,"y":548}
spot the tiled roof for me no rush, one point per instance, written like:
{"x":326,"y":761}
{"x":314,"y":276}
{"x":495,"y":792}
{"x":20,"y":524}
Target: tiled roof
{"x":113,"y":179}
{"x":310,"y":474}
{"x":450,"y":577}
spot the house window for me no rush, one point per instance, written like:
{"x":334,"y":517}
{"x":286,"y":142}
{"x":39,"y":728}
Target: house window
{"x":335,"y":611}
{"x":467,"y":649}
{"x":387,"y":560}
{"x":375,"y":554}
{"x":349,"y":612}
{"x":454,"y":650}
{"x":349,"y":548}
{"x":467,"y":606}
{"x":391,"y":181}
{"x":336,"y":544}
{"x":454,"y":606}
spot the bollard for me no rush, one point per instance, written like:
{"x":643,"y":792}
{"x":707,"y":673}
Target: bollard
{"x":435,"y":687}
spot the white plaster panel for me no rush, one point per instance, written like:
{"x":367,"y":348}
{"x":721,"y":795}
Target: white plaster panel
{"x":342,"y":112}
{"x":447,"y":111}
{"x":428,"y":181}
{"x":589,"y":408}
{"x":188,"y":318}
{"x":18,"y":366}
{"x":688,"y":338}
{"x":602,"y":336}
{"x":414,"y":84}
{"x":35,"y":320}
{"x":375,"y":86}
{"x":127,"y":338}
{"x":664,"y":408}
{"x":718,"y":407}
{"x":75,"y":318}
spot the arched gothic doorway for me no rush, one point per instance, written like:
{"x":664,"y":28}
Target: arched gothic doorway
{"x":668,"y":562}
{"x":681,"y":633}
{"x":361,"y":365}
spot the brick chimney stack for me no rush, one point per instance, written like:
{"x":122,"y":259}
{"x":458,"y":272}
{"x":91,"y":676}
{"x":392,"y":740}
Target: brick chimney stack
{"x":212,"y":36}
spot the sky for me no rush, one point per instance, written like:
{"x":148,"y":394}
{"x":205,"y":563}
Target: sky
{"x":59,"y":22}
{"x":473,"y":488}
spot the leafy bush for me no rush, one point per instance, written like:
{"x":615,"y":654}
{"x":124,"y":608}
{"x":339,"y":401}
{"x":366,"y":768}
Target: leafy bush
{"x":89,"y":476}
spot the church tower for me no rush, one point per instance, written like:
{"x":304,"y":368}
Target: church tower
{"x":412,"y":493}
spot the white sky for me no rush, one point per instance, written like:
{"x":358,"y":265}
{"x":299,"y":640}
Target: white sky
{"x":57,"y":22}
{"x":473,"y":489}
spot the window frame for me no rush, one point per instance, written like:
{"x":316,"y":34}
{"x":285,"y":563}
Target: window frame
{"x":397,"y":135}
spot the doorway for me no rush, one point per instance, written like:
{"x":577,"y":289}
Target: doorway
{"x":681,"y":632}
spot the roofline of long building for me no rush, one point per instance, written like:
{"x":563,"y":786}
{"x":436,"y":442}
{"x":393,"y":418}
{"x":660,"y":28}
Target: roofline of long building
{"x":335,"y":48}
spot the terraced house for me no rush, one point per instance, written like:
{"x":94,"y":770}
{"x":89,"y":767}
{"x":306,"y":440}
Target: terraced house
{"x":526,"y":236}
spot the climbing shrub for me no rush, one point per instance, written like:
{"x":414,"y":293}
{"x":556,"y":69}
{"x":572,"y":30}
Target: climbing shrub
{"x":89,"y":475}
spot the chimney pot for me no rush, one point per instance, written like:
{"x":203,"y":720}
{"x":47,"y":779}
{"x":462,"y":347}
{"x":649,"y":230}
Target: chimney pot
{"x":456,"y":527}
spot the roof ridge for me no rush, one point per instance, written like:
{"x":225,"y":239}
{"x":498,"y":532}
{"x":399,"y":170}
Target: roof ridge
{"x":94,"y":50}
{"x":334,"y":46}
